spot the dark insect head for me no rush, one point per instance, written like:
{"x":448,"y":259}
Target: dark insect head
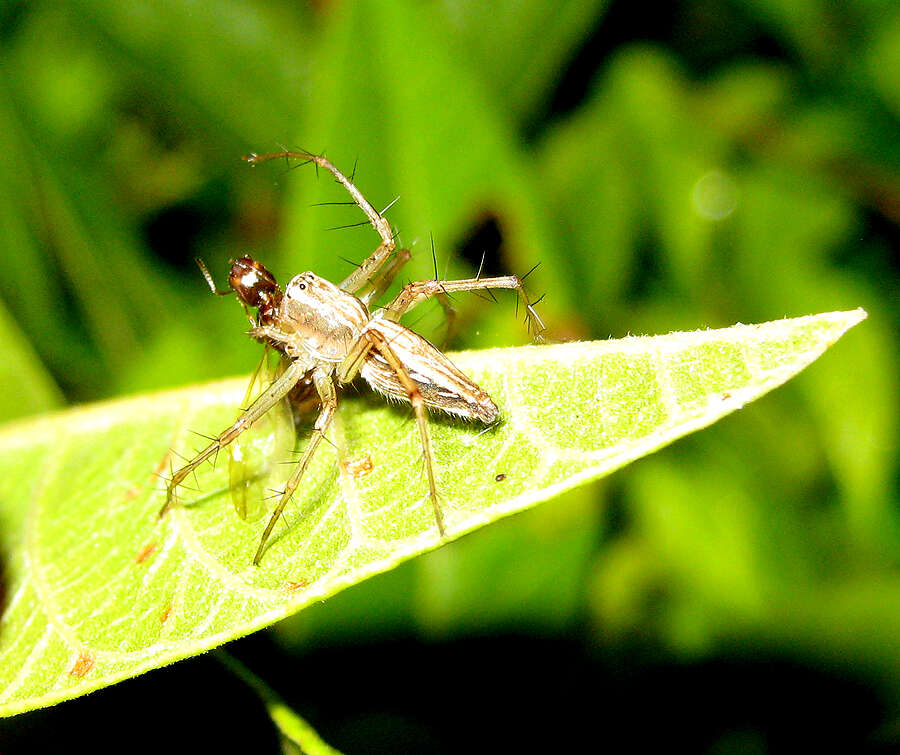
{"x":255,"y":287}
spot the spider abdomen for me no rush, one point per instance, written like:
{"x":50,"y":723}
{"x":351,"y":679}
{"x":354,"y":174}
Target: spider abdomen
{"x":442,"y":385}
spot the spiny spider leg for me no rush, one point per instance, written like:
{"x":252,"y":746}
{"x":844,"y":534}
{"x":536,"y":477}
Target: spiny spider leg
{"x":368,"y":269}
{"x":328,"y":396}
{"x":382,"y":345}
{"x":371,"y":271}
{"x":384,"y":277}
{"x":417,"y":292}
{"x":277,"y":391}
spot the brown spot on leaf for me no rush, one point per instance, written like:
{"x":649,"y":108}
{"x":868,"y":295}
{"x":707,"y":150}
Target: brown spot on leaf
{"x":162,"y":466}
{"x":145,"y":553}
{"x":500,"y":477}
{"x":164,"y":616}
{"x":359,"y":467}
{"x":83,"y":664}
{"x":297,"y":586}
{"x":133,"y":492}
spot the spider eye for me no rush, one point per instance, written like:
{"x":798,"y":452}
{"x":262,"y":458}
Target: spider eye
{"x":301,"y":286}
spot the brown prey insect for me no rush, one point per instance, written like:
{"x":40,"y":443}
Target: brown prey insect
{"x":328,"y":335}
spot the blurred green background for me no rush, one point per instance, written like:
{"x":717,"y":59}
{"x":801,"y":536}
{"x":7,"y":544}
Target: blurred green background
{"x":672,"y":167}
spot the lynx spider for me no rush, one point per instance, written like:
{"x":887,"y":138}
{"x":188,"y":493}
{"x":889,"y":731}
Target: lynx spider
{"x":329,"y":336}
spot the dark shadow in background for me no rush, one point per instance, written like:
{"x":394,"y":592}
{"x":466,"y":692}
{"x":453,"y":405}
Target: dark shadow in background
{"x":498,"y":694}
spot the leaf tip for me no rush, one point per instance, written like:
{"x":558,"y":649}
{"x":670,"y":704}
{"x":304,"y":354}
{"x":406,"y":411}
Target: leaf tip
{"x":850,"y":318}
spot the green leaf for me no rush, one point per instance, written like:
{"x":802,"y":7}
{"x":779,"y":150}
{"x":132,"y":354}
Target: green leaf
{"x":98,"y":589}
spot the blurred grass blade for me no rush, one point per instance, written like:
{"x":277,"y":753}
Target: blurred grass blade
{"x":98,"y":589}
{"x":260,"y":50}
{"x":524,"y":45}
{"x":297,"y":736}
{"x":27,"y":387}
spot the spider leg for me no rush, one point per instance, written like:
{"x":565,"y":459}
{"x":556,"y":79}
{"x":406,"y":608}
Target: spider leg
{"x":325,"y":386}
{"x":277,"y":391}
{"x":417,"y":292}
{"x":382,"y":345}
{"x":384,"y":277}
{"x":368,"y":271}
